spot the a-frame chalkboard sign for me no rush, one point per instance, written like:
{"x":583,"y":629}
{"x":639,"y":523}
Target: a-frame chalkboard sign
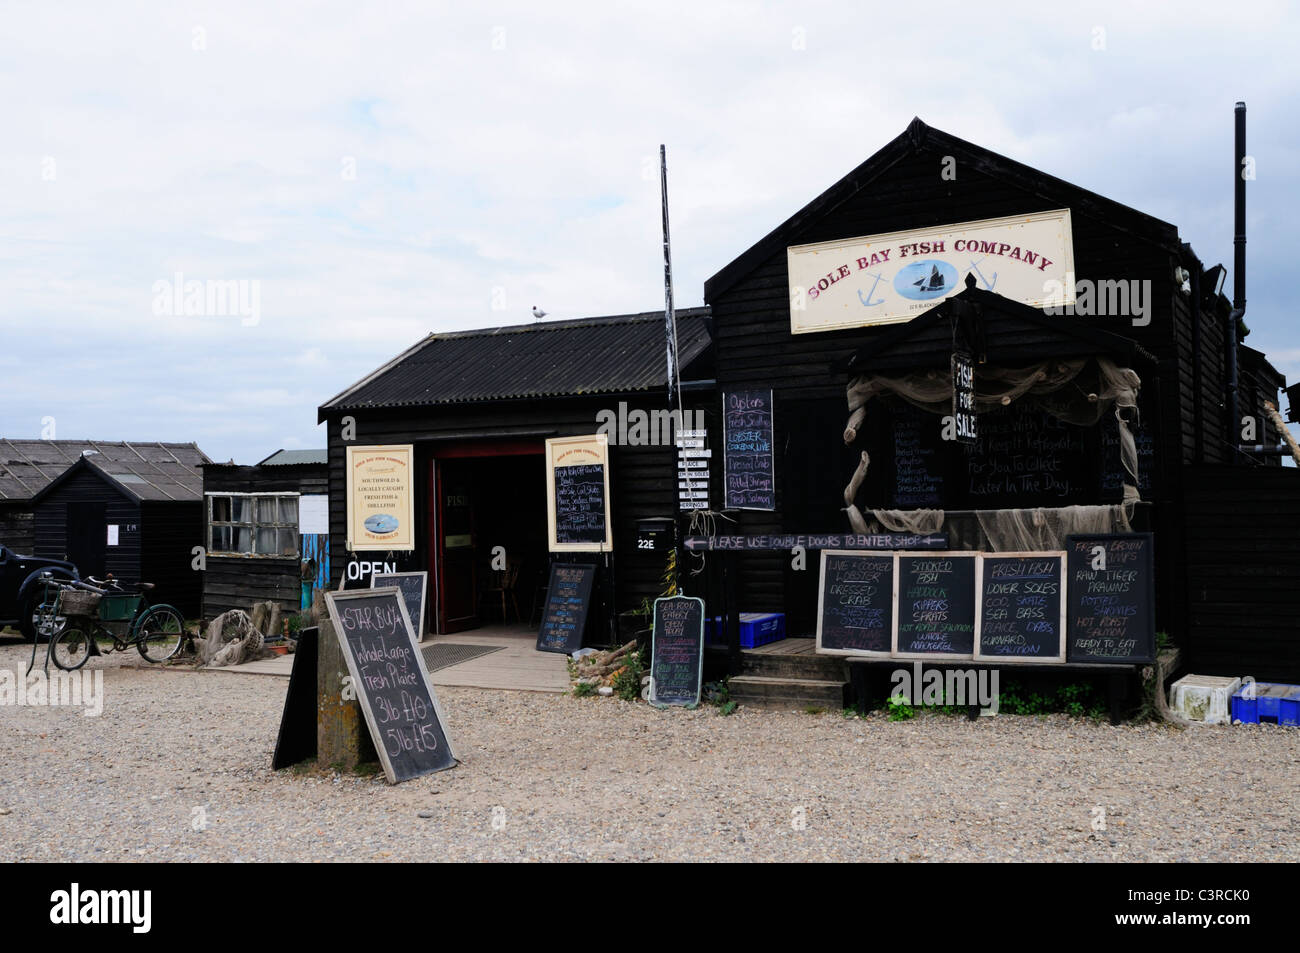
{"x":677,"y":651}
{"x":392,"y":684}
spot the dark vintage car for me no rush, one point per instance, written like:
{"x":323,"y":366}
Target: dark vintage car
{"x":21,"y":589}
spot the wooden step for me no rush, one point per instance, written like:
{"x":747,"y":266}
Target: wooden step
{"x":772,"y":665}
{"x":760,"y":691}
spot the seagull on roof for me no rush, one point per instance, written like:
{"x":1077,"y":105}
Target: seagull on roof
{"x":538,"y":313}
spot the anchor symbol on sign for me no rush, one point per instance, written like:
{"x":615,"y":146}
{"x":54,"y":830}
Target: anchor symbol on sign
{"x":867,"y":302}
{"x":976,"y":266}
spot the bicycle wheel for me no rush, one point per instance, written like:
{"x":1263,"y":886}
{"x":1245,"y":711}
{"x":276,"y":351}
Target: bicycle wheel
{"x":159,"y":633}
{"x":72,"y":646}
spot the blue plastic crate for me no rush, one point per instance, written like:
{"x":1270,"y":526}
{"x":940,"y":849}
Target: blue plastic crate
{"x":756,"y":628}
{"x":1273,"y":702}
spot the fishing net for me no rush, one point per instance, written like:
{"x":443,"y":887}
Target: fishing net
{"x":231,"y":640}
{"x":1076,"y":391}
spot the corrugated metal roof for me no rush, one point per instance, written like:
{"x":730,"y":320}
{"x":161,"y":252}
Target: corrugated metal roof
{"x":150,"y":471}
{"x":618,"y":354}
{"x":288,"y":458}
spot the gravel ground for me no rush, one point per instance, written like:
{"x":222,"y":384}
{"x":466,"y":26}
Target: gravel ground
{"x":551,"y":777}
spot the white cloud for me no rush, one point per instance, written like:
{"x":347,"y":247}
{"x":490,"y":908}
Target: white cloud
{"x":522,"y":168}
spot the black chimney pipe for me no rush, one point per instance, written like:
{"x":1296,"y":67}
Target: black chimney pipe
{"x":1238,"y":273}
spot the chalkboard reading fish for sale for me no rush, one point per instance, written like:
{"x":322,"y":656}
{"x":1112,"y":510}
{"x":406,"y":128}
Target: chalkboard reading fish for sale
{"x":677,"y":651}
{"x":1021,"y":607}
{"x":936,"y":606}
{"x":391,"y":682}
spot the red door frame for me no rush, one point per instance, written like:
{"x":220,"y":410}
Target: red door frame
{"x":458,"y":450}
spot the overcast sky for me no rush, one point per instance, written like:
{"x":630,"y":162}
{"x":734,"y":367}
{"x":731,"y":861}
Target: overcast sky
{"x":384,"y":170}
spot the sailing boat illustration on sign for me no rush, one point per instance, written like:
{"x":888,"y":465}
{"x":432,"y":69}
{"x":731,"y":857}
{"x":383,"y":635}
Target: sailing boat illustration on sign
{"x":933,"y":283}
{"x":925,"y":280}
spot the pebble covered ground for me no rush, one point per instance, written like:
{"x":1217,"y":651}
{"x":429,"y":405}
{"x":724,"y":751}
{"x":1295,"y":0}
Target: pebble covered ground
{"x":177,"y":768}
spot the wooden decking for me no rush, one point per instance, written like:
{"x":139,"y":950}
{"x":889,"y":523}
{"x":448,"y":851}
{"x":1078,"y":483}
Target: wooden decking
{"x":787,"y":647}
{"x":517,"y":667}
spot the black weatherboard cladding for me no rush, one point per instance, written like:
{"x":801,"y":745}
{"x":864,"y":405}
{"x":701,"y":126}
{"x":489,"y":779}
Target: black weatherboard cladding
{"x":236,"y":582}
{"x":900,"y":188}
{"x":498,"y":376}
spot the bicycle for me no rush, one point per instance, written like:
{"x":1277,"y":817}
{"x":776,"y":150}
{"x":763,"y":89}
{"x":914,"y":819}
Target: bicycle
{"x":101,"y":609}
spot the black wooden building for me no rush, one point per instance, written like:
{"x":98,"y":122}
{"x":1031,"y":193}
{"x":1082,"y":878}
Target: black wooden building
{"x":1185,"y":442}
{"x":254,"y":532}
{"x":1126,"y":415}
{"x":478,"y":407}
{"x":133,"y":510}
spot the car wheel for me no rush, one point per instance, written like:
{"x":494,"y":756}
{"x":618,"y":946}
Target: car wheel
{"x":32,"y":618}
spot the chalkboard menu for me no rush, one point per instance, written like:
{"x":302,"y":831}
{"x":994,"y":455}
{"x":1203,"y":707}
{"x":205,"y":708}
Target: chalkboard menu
{"x":1112,"y":473}
{"x":676,"y":651}
{"x":414,"y":585}
{"x":580,"y":503}
{"x":391,"y":682}
{"x":1025,"y":453}
{"x":855,"y":608}
{"x":936,"y":606}
{"x":918,"y":458}
{"x":747,"y":450}
{"x":568,"y":598}
{"x":1110,"y":589}
{"x":1021,"y":607}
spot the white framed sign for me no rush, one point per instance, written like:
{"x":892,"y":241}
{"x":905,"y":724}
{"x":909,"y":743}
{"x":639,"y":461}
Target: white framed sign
{"x":381,"y":498}
{"x":577,"y":494}
{"x":895,"y":276}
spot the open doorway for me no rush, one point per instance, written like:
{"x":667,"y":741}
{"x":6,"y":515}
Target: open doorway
{"x":487,"y":533}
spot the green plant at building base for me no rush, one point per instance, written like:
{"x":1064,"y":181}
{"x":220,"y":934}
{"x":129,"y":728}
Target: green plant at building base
{"x":899,"y":709}
{"x":583,"y":690}
{"x":1076,"y":698}
{"x":627,"y":683}
{"x":727,"y":707}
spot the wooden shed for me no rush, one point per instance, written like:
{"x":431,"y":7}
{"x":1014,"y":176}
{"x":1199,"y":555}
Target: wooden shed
{"x":925,"y":181}
{"x":478,"y":407}
{"x":262,"y":527}
{"x":133,"y":510}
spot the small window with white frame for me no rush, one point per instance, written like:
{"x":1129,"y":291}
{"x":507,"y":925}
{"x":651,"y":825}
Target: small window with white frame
{"x":253,"y":524}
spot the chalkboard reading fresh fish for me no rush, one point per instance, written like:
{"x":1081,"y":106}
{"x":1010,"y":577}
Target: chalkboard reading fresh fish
{"x":1110,"y":585}
{"x":676,"y":651}
{"x":568,"y":598}
{"x":855,"y":611}
{"x":580,"y":503}
{"x":936,"y":606}
{"x":747,"y":450}
{"x":1021,"y":608}
{"x":392,"y":685}
{"x":414,"y":586}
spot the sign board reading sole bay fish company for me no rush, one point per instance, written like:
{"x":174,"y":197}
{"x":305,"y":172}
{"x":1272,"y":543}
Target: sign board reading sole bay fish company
{"x":381,"y":498}
{"x":891,"y":278}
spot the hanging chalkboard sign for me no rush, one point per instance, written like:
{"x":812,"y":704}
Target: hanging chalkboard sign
{"x":747,"y":450}
{"x":568,"y":599}
{"x":580,"y":503}
{"x":1020,"y":607}
{"x":1110,"y":597}
{"x":414,"y":586}
{"x":935,"y":616}
{"x":391,"y":682}
{"x":855,"y":606}
{"x":676,"y":651}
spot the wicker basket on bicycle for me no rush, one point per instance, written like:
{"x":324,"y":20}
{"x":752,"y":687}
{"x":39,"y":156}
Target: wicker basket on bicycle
{"x":78,"y":602}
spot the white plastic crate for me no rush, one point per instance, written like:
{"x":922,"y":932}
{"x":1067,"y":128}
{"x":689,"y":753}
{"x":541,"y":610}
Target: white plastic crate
{"x":1204,"y":698}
